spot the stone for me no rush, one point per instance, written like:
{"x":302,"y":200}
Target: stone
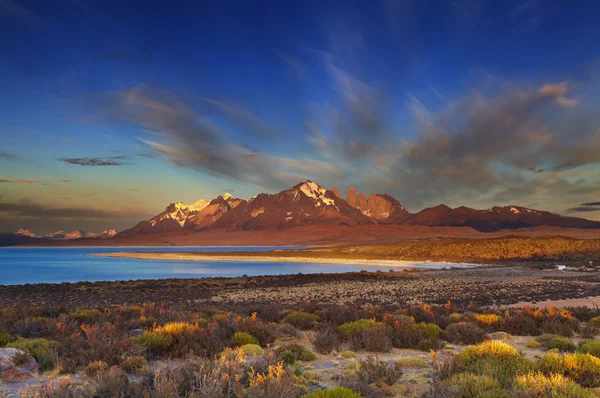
{"x":16,"y":365}
{"x":135,"y":332}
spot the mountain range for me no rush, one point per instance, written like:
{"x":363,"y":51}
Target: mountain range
{"x":309,"y":205}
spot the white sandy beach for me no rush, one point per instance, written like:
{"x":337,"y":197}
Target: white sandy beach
{"x":270,"y":259}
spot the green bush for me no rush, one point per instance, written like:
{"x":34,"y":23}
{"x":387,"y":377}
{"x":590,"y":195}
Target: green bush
{"x":429,"y":331}
{"x":302,"y":320}
{"x":295,"y":352}
{"x":583,"y":368}
{"x":43,"y":350}
{"x":353,"y":328}
{"x":6,"y":338}
{"x":252,"y":349}
{"x":94,"y":368}
{"x":243,"y":338}
{"x":339,"y":392}
{"x":591,"y":347}
{"x":155,"y":343}
{"x":465,"y":333}
{"x":135,"y":365}
{"x":367,"y":334}
{"x":495,"y":359}
{"x":559,"y":343}
{"x":595,"y":321}
{"x":533,"y":385}
{"x":86,"y":315}
{"x":470,"y":385}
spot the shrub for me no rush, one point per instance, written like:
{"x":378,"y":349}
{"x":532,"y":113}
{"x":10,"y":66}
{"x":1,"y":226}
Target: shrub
{"x":6,"y":338}
{"x":533,"y":344}
{"x":242,"y":338}
{"x":411,"y":362}
{"x":487,"y":321}
{"x":469,"y":385}
{"x":252,"y":349}
{"x":34,"y":327}
{"x":43,"y":350}
{"x":588,"y":331}
{"x":86,"y":315}
{"x":559,"y":343}
{"x":520,"y":324}
{"x":591,"y":347}
{"x":156,"y":343}
{"x":295,"y":352}
{"x":326,"y":340}
{"x":373,"y":370}
{"x":265,"y":334}
{"x":583,"y":368}
{"x":302,"y":320}
{"x":429,"y":331}
{"x":274,"y":383}
{"x":356,"y":385}
{"x":93,"y":368}
{"x":135,"y":365}
{"x":494,"y":358}
{"x":465,"y":333}
{"x":538,"y":385}
{"x":348,"y":354}
{"x":339,"y":392}
{"x":367,"y":334}
{"x":404,"y":332}
{"x":595,"y":321}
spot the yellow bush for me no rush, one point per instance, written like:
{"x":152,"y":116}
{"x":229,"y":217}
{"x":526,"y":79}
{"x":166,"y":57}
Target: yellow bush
{"x":554,"y":385}
{"x":487,"y":320}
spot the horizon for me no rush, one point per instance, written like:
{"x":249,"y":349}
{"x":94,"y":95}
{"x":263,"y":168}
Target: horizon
{"x":110,"y":113}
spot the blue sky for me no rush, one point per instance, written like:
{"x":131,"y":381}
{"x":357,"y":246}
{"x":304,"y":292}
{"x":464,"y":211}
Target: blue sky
{"x":111,"y":110}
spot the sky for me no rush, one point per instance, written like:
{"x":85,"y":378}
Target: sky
{"x":111,"y":110}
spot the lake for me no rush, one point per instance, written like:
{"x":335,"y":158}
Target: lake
{"x":20,"y":265}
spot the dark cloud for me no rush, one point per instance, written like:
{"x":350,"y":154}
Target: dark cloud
{"x":6,"y":180}
{"x":9,"y":156}
{"x":108,"y":161}
{"x":33,"y":210}
{"x":184,"y":135}
{"x":583,"y":209}
{"x":591,"y":204}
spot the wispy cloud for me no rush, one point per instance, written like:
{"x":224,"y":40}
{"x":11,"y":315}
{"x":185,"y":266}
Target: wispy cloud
{"x":6,"y":180}
{"x":9,"y":156}
{"x":106,"y":161}
{"x":65,"y":181}
{"x":35,"y":210}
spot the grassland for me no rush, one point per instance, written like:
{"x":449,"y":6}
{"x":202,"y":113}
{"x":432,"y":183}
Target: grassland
{"x":505,"y":250}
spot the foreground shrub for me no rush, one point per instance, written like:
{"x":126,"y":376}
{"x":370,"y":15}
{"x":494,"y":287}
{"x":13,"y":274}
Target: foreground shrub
{"x":43,"y":350}
{"x":86,"y":315}
{"x":367,"y":334}
{"x":583,"y":368}
{"x":252,"y":349}
{"x":93,"y":368}
{"x":411,"y":362}
{"x":179,"y":339}
{"x":242,"y":338}
{"x":339,"y":392}
{"x":495,"y":359}
{"x":274,"y":383}
{"x":560,"y":343}
{"x":589,"y":331}
{"x":465,"y":333}
{"x":135,"y":365}
{"x":295,"y":352}
{"x":429,"y":331}
{"x":538,"y":385}
{"x":326,"y":340}
{"x":404,"y":331}
{"x":591,"y":347}
{"x":6,"y":338}
{"x":302,"y":320}
{"x":488,"y":321}
{"x":372,"y":370}
{"x":469,"y":385}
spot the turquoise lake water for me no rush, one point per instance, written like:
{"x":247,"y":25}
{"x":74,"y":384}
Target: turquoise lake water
{"x":19,"y":265}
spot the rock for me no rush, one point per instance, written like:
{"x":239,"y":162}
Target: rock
{"x":352,"y":197}
{"x":336,"y":192}
{"x":16,"y":364}
{"x":135,"y":332}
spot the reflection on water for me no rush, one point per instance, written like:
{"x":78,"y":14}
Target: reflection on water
{"x":67,"y":264}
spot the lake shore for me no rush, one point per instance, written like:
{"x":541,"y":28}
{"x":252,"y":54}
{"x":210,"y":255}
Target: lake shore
{"x":257,"y":257}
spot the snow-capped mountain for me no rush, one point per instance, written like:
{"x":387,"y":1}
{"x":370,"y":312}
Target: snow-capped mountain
{"x":304,"y":204}
{"x":177,"y":215}
{"x":26,"y":232}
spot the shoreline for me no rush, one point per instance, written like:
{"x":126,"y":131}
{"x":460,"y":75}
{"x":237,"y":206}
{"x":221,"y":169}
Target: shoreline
{"x":178,"y":256}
